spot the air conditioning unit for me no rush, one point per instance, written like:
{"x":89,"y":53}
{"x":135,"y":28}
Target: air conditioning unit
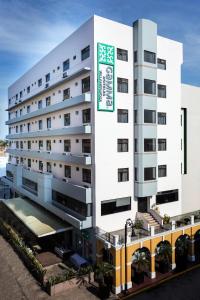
{"x":46,"y":85}
{"x":65,"y":74}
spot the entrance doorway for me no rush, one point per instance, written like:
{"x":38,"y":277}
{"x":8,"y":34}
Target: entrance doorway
{"x":142,"y":204}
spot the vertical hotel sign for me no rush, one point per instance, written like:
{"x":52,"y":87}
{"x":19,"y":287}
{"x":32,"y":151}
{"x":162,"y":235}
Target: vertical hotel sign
{"x":105,"y":77}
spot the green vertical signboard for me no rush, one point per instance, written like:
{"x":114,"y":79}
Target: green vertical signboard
{"x":105,"y":77}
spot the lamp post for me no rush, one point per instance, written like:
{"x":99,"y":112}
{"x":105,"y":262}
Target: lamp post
{"x":129,"y":223}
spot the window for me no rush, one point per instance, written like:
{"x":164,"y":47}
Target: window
{"x":66,"y":65}
{"x":162,"y":171}
{"x":66,"y":94}
{"x":86,"y":175}
{"x":162,"y":118}
{"x":40,"y":104}
{"x":28,"y":127}
{"x":149,"y":173}
{"x":21,"y":128}
{"x":85,"y":53}
{"x":136,"y":174}
{"x":29,"y":163}
{"x":40,"y":145}
{"x":40,"y":165}
{"x":86,"y":116}
{"x":48,"y":145}
{"x":20,"y":112}
{"x":162,"y":144}
{"x":30,"y":185}
{"x":149,"y":57}
{"x":149,"y":86}
{"x":115,"y":206}
{"x":161,"y":64}
{"x":28,"y":89}
{"x":135,"y":116}
{"x":17,"y":144}
{"x":149,"y":145}
{"x":122,"y":115}
{"x":67,"y":146}
{"x":123,"y":174}
{"x":122,"y":54}
{"x":47,"y":77}
{"x":39,"y":82}
{"x":72,"y":204}
{"x":21,"y":94}
{"x":48,"y":123}
{"x":29,"y":145}
{"x":135,"y":86}
{"x":135,"y":57}
{"x":48,"y":167}
{"x":86,"y":84}
{"x":161,"y":91}
{"x":122,"y":145}
{"x":149,"y":116}
{"x":166,"y":197}
{"x":48,"y":101}
{"x":40,"y":124}
{"x":68,"y":171}
{"x":122,"y":85}
{"x":67,"y":119}
{"x":15,"y":128}
{"x":28,"y":109}
{"x":16,"y":114}
{"x":135,"y":145}
{"x":86,"y":146}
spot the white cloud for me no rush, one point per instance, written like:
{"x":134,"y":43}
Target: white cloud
{"x":25,"y":30}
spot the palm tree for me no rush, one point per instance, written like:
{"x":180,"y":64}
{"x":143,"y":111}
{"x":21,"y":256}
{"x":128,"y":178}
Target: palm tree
{"x":164,"y":254}
{"x":141,"y":262}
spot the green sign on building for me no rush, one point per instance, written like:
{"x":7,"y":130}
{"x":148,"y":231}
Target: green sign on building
{"x":105,"y":77}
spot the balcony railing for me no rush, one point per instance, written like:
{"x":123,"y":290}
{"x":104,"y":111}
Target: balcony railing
{"x":178,"y":222}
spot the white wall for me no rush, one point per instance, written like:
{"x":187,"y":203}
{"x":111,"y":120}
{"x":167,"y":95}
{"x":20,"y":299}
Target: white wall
{"x":107,"y":130}
{"x":171,"y":51}
{"x":191,"y":180}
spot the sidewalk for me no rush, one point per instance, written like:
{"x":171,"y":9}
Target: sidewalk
{"x":16,"y":283}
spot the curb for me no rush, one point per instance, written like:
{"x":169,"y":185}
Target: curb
{"x":161,"y":282}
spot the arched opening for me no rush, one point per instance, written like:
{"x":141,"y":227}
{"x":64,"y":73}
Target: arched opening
{"x":141,"y":260}
{"x":163,"y":257}
{"x":197,"y":246}
{"x":181,"y":252}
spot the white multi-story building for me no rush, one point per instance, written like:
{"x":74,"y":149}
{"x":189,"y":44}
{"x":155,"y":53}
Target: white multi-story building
{"x":95,"y":128}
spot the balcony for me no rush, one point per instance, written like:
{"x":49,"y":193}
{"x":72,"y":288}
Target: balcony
{"x":78,"y":192}
{"x":43,"y":89}
{"x":45,"y":184}
{"x":178,"y":223}
{"x":51,"y":156}
{"x":84,"y":98}
{"x":84,"y":129}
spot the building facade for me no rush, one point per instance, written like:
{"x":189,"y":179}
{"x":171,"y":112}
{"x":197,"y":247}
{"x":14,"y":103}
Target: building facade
{"x":97,"y":130}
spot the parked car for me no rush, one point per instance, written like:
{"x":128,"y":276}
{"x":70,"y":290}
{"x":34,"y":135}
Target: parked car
{"x":63,"y":252}
{"x":78,"y":261}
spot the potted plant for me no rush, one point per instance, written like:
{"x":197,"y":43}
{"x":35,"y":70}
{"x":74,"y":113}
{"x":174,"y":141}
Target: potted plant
{"x":164,"y":252}
{"x":141,"y":264}
{"x":166,"y":222}
{"x":103,"y":275}
{"x":138,"y":225}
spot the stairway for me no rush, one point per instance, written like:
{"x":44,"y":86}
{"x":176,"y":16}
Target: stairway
{"x":151,"y":221}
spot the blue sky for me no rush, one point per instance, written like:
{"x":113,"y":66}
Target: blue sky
{"x":31,"y":28}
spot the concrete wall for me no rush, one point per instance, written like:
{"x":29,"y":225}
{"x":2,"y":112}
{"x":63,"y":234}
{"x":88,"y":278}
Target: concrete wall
{"x":191,"y":180}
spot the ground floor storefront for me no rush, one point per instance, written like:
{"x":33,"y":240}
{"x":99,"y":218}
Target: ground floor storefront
{"x":144,"y":260}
